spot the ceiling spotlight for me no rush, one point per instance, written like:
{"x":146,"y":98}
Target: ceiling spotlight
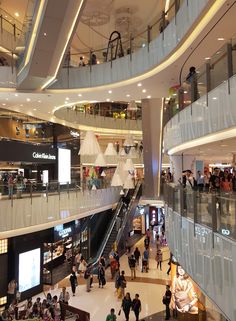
{"x":28,"y":99}
{"x":127,"y":95}
{"x":67,"y":98}
{"x":16,"y":95}
{"x":149,"y":97}
{"x":207,"y":58}
{"x":221,"y":39}
{"x":144,"y":90}
{"x":79,"y":95}
{"x":139,"y":84}
{"x":214,"y":98}
{"x":39,"y":101}
{"x":108,"y":99}
{"x":143,"y":45}
{"x":66,"y":102}
{"x":3,"y":104}
{"x":34,"y":109}
{"x":21,"y":105}
{"x":45,"y":34}
{"x":17,"y":14}
{"x":109,"y":91}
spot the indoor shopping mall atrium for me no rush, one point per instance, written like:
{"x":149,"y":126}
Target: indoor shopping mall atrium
{"x":117,"y":160}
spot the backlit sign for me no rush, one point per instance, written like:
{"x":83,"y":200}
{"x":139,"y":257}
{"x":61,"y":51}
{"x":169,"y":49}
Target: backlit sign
{"x":43,"y":156}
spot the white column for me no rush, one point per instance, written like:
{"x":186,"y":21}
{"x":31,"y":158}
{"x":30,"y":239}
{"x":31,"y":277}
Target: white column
{"x":179,"y":163}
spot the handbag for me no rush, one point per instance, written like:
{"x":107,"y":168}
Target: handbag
{"x":164,"y":300}
{"x":119,"y":312}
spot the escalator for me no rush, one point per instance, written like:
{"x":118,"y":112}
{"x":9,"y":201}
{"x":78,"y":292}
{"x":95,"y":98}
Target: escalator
{"x":116,"y":232}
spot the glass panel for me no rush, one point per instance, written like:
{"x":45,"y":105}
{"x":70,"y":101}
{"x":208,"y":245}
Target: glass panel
{"x":218,"y":67}
{"x":204,"y":209}
{"x":188,"y":202}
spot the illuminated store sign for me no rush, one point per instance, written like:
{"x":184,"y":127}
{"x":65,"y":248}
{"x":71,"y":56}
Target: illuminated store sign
{"x":43,"y":156}
{"x":225,"y":232}
{"x":66,"y":232}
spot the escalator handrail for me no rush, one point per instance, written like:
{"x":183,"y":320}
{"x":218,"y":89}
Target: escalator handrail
{"x":120,"y":232}
{"x":108,"y":233}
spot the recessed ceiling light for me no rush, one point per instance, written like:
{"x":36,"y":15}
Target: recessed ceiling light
{"x":207,"y":58}
{"x":66,"y":102}
{"x":16,"y":95}
{"x":108,"y":99}
{"x":7,"y":98}
{"x":28,"y":99}
{"x":49,"y":112}
{"x":21,"y":105}
{"x":149,"y":97}
{"x":127,"y":95}
{"x":3,"y":104}
{"x":144,"y":90}
{"x":221,"y":39}
{"x":34,"y":109}
{"x":214,"y":98}
{"x":139,"y":84}
{"x":67,"y":98}
{"x":109,"y":91}
{"x":79,"y":95}
{"x":17,"y":14}
{"x":45,"y":34}
{"x":39,"y":101}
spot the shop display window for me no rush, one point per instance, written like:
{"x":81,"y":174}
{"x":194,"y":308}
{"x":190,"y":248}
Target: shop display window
{"x":3,"y":246}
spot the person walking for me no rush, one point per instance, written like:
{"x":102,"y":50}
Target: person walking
{"x":122,"y":284}
{"x":137,"y":255}
{"x":126,"y":305}
{"x":73,"y":282}
{"x":101,"y":275}
{"x":166,"y":301}
{"x":87,"y":277}
{"x":132,"y":263}
{"x":159,"y":258}
{"x":136,"y":306}
{"x":111,"y":316}
{"x":64,"y":296}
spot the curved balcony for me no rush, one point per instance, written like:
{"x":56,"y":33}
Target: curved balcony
{"x":153,"y":47}
{"x":212,"y":117}
{"x":117,"y":125}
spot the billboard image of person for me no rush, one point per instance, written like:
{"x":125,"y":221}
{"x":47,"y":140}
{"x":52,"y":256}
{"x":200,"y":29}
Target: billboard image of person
{"x":184,"y":296}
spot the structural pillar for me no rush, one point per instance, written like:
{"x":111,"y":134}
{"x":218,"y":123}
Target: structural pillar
{"x":152,"y":115}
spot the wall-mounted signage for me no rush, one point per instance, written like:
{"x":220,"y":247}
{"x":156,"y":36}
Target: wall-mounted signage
{"x":63,"y":230}
{"x":13,"y":151}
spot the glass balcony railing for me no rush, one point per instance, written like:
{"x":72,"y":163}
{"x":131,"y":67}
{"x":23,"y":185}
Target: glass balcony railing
{"x":216,"y":70}
{"x":215,"y":210}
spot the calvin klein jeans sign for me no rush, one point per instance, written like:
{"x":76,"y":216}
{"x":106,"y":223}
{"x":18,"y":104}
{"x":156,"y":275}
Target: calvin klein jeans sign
{"x":43,"y":156}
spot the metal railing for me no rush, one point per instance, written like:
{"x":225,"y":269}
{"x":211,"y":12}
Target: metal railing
{"x":18,"y":190}
{"x":216,"y":210}
{"x":216,"y":70}
{"x":129,"y":46}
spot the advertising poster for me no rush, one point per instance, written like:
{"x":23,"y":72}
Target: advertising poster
{"x":29,"y":269}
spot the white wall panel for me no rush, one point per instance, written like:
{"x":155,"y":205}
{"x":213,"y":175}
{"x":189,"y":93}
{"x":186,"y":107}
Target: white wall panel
{"x":212,"y":268}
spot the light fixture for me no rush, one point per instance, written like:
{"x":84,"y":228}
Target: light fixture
{"x":214,"y":98}
{"x":139,"y":84}
{"x":66,"y":102}
{"x":79,"y":95}
{"x":143,"y":45}
{"x":90,"y":145}
{"x":3,"y":104}
{"x":129,"y":165}
{"x":116,"y":180}
{"x":132,"y":106}
{"x":94,"y":187}
{"x":129,"y":141}
{"x":67,"y":98}
{"x":100,"y":160}
{"x":149,"y":96}
{"x":16,"y":95}
{"x":45,"y":34}
{"x":39,"y":101}
{"x":128,"y":95}
{"x":107,"y":99}
{"x":129,"y":183}
{"x":34,"y":109}
{"x":28,"y":99}
{"x":221,"y":39}
{"x":207,"y":58}
{"x":144,"y":90}
{"x":110,"y":150}
{"x":122,"y":192}
{"x":17,"y":14}
{"x":103,"y":174}
{"x":109,"y":91}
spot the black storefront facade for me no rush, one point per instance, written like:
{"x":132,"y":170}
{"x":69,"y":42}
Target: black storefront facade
{"x":47,"y":256}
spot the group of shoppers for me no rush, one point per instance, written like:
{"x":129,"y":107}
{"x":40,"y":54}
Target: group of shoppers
{"x":10,"y":182}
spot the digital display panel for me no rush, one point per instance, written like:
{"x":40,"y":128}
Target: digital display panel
{"x":64,"y":165}
{"x":29,"y":269}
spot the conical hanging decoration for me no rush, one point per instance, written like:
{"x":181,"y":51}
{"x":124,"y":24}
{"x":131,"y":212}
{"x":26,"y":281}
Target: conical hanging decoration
{"x":89,"y":145}
{"x":122,"y":192}
{"x":116,"y":180}
{"x":94,"y":187}
{"x":129,"y":182}
{"x":133,"y":153}
{"x":122,"y":152}
{"x":103,"y":174}
{"x":121,"y":171}
{"x":129,"y":165}
{"x":129,"y":141}
{"x":100,"y":160}
{"x":110,"y":150}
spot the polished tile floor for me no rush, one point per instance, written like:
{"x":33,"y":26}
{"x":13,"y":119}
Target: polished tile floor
{"x":150,"y":286}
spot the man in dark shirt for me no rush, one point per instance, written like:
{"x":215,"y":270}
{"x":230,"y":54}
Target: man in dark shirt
{"x":136,"y":306}
{"x":166,"y":301}
{"x":215,"y":180}
{"x":132,"y":264}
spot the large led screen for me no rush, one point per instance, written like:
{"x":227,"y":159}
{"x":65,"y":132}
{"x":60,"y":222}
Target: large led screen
{"x":64,"y":165}
{"x":29,"y":269}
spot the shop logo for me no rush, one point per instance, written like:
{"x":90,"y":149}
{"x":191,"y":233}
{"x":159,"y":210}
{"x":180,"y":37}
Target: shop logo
{"x":43,"y":156}
{"x":65,"y":232}
{"x":225,"y":232}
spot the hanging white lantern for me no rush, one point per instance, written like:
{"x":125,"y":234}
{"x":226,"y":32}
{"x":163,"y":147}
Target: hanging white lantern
{"x":122,"y":152}
{"x":122,"y":192}
{"x":129,"y":141}
{"x":129,"y":182}
{"x":133,"y":153}
{"x":110,"y":150}
{"x":103,"y":174}
{"x":116,"y":180}
{"x":89,"y":145}
{"x":129,"y":165}
{"x":100,"y":160}
{"x":121,"y":171}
